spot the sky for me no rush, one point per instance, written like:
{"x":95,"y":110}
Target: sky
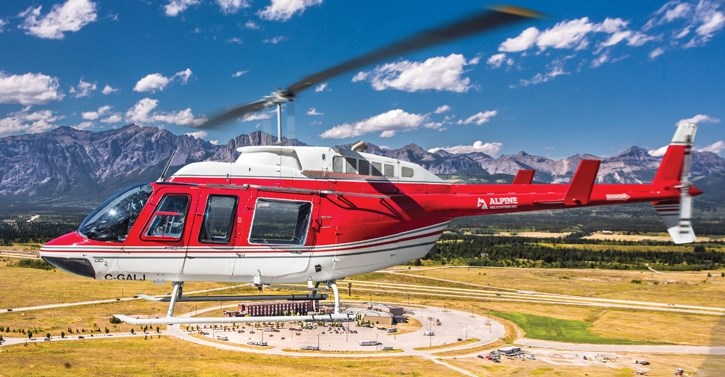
{"x":587,"y":77}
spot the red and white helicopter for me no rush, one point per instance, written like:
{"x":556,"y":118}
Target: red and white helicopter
{"x":292,"y":214}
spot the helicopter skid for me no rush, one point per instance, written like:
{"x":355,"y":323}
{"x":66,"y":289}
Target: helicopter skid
{"x":315,"y":297}
{"x":343,"y":317}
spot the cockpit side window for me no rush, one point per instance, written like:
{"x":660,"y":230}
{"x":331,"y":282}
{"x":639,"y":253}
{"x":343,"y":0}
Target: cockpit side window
{"x":168,"y":220}
{"x":113,"y":219}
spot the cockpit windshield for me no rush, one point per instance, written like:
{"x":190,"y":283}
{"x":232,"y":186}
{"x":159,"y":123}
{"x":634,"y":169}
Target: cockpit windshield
{"x":112,"y":220}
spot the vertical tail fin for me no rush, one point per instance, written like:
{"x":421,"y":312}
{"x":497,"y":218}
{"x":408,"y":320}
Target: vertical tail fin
{"x":675,"y":169}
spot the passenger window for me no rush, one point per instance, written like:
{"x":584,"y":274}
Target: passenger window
{"x":406,"y":172}
{"x":364,"y":167}
{"x":280,"y":222}
{"x":350,"y":165}
{"x":218,"y":219}
{"x":337,"y":163}
{"x":377,"y":169}
{"x":389,"y":171}
{"x":169,"y":218}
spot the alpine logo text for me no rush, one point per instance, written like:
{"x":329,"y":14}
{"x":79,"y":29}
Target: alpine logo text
{"x":498,"y":202}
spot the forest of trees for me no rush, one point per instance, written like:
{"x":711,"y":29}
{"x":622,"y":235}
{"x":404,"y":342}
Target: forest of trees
{"x":36,"y":231}
{"x":514,"y":251}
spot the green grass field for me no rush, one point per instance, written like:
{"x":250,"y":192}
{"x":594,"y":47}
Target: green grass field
{"x":560,"y":330}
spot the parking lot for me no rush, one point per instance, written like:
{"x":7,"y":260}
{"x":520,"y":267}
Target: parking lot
{"x":433,"y":327}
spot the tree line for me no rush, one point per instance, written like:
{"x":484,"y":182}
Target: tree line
{"x":514,"y":251}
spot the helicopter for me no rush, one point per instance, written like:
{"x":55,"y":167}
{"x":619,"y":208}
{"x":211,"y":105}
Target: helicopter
{"x":307,"y":214}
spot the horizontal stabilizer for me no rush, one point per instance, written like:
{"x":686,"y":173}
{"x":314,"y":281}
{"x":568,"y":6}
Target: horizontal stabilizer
{"x":524,"y":177}
{"x":580,"y":188}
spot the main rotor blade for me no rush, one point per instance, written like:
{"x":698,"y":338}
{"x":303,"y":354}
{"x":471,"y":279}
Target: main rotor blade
{"x":480,"y":22}
{"x":486,"y":20}
{"x":234,"y":113}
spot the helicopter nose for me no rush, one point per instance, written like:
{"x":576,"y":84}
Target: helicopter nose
{"x":80,"y":266}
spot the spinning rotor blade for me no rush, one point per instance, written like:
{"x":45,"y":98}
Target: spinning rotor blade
{"x":236,"y":113}
{"x":483,"y":21}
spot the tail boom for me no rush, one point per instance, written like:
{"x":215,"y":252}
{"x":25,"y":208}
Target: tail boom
{"x":670,"y":192}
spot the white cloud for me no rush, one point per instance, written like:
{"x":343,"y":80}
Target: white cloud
{"x":239,"y":73}
{"x":2,"y":25}
{"x":388,"y":124}
{"x":107,"y":89}
{"x":679,"y":11}
{"x":437,"y":73}
{"x":442,"y":109}
{"x":700,"y":118}
{"x":174,"y":7}
{"x":656,"y":52}
{"x":491,"y":149}
{"x":706,"y":18}
{"x":321,"y":88}
{"x":83,"y":89}
{"x":70,"y":16}
{"x":151,"y":83}
{"x":83,"y":126}
{"x":143,"y":113}
{"x":717,"y":147}
{"x":27,"y":122}
{"x":566,"y":35}
{"x":140,"y":112}
{"x":232,"y":6}
{"x":554,"y":69}
{"x":434,"y":126}
{"x":659,"y":152}
{"x":275,"y":40}
{"x":497,"y":60}
{"x":113,"y":118}
{"x":251,"y":25}
{"x":312,"y":111}
{"x":29,"y":89}
{"x":183,"y":75}
{"x":234,"y":40}
{"x":197,"y":134}
{"x":156,"y":82}
{"x":522,"y":42}
{"x":479,"y":118}
{"x":180,"y":118}
{"x":256,"y":116}
{"x":599,"y":60}
{"x":711,"y":22}
{"x":214,"y":142}
{"x":283,"y":10}
{"x":93,"y":115}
